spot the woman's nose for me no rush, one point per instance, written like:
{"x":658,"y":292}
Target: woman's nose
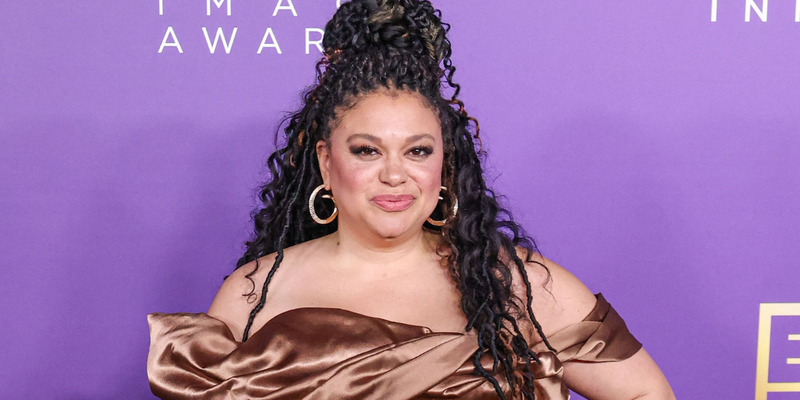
{"x":393,"y":172}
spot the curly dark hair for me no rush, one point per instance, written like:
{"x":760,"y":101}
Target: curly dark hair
{"x":401,"y":45}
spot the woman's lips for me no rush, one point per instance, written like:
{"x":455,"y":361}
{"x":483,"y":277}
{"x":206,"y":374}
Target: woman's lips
{"x":393,"y":202}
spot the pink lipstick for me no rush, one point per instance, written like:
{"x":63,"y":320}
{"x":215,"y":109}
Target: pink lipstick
{"x":393,"y":202}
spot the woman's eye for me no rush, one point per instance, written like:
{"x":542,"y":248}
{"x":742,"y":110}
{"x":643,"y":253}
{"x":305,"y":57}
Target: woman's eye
{"x":364,"y":151}
{"x":421,"y":151}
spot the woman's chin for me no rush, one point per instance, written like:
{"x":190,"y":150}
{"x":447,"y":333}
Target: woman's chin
{"x":394,"y":229}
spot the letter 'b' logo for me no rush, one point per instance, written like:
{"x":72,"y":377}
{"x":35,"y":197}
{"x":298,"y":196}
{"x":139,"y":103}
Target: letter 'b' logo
{"x":778,"y":348}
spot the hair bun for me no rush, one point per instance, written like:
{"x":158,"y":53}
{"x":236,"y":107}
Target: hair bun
{"x":405,"y":25}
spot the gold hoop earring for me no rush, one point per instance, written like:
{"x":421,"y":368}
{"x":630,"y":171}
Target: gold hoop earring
{"x":313,"y":212}
{"x":444,"y":221}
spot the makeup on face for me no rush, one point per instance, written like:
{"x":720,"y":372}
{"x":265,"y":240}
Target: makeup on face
{"x":383,"y":161}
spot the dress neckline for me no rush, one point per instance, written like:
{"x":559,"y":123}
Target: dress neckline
{"x":326,"y":311}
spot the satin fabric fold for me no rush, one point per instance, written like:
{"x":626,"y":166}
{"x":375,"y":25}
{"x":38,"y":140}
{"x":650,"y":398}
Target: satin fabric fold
{"x":326,"y":353}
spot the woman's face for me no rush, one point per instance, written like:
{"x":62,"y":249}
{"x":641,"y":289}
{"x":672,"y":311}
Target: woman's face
{"x":383,"y":164}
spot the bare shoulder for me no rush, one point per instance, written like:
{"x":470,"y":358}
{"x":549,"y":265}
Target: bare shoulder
{"x":558,"y":297}
{"x":234,"y":300}
{"x":242,"y":289}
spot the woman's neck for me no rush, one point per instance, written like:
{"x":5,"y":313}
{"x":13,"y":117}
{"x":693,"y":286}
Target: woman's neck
{"x":380,"y":259}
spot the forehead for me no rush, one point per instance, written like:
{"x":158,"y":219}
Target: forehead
{"x":388,"y":114}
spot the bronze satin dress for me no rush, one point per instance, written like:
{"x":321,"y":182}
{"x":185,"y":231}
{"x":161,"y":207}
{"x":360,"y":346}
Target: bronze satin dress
{"x":327,"y":353}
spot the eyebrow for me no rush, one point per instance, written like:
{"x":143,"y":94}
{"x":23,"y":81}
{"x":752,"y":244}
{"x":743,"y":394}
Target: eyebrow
{"x":378,"y":140}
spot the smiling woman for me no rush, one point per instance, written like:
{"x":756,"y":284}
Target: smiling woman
{"x":386,"y":181}
{"x":395,"y":273}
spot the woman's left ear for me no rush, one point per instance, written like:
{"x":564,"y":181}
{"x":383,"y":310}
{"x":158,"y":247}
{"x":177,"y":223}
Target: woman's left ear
{"x":324,"y":161}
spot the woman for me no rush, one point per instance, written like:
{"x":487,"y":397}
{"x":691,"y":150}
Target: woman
{"x":382,"y":266}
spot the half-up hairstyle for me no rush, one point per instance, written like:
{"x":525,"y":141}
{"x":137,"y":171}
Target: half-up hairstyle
{"x":402,"y":45}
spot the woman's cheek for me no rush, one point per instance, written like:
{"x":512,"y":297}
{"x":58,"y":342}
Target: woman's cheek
{"x":428,"y":175}
{"x":355,"y":176}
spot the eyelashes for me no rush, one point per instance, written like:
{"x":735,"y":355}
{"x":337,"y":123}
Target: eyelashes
{"x":421,"y":151}
{"x":417,"y":151}
{"x":363,"y":150}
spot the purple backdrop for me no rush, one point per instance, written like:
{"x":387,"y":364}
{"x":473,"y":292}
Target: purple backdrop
{"x":650,"y":150}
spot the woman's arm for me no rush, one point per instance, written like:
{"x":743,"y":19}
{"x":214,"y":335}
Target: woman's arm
{"x":569,"y":301}
{"x":230,"y":305}
{"x":637,"y":377}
